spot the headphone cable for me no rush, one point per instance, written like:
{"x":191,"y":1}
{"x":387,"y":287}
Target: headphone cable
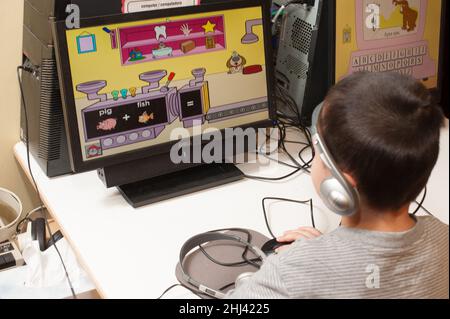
{"x":420,"y":204}
{"x":244,"y":257}
{"x":311,"y":208}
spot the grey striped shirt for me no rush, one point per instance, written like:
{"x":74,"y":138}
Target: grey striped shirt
{"x":354,"y":263}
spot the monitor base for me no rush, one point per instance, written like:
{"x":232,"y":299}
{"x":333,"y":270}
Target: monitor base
{"x":179,"y":183}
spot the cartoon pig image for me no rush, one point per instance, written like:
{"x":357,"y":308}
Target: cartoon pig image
{"x":107,"y":125}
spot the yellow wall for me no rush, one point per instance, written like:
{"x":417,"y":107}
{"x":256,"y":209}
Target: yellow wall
{"x":11,"y":176}
{"x":105,"y":64}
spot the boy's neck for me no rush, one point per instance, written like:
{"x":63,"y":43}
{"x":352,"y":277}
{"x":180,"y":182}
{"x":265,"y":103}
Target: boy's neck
{"x":384,"y":221}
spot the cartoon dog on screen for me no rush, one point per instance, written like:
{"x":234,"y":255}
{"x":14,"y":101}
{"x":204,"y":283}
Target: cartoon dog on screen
{"x":236,"y":63}
{"x":409,"y":15}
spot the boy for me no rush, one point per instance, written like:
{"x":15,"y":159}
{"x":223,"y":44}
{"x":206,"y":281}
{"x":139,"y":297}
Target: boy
{"x":382,"y":131}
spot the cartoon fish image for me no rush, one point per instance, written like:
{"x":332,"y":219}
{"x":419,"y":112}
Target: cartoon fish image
{"x":107,"y":125}
{"x":145,"y":117}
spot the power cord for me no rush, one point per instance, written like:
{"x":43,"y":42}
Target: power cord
{"x":304,"y":166}
{"x":25,"y":112}
{"x":282,"y":97}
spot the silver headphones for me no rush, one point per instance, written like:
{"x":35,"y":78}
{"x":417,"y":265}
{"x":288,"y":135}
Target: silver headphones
{"x":336,"y":192}
{"x":200,"y":239}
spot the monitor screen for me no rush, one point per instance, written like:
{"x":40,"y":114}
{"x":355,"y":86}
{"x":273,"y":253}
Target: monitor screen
{"x":132,"y":79}
{"x":389,"y":35}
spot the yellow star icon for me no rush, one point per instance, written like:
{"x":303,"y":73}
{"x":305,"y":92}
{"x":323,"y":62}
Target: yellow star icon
{"x":209,"y":27}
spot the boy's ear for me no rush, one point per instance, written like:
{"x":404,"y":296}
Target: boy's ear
{"x":350,"y":179}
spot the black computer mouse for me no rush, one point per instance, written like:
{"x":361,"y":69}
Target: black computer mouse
{"x":272,"y":245}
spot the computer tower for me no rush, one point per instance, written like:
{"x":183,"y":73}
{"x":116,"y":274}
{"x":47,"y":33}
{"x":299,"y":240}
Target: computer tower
{"x":47,"y":139}
{"x":46,"y":132}
{"x":305,"y":58}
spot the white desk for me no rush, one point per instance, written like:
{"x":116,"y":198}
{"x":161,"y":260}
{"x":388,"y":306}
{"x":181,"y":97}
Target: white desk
{"x":132,"y":253}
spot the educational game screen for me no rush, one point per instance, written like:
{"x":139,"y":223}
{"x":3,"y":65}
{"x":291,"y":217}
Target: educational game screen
{"x":389,"y":35}
{"x":135,"y":82}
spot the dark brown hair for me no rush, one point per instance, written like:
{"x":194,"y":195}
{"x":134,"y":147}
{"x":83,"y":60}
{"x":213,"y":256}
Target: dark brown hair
{"x":383,"y":129}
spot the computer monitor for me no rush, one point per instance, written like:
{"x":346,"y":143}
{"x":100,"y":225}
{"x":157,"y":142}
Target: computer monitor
{"x":129,"y":80}
{"x":162,"y":70}
{"x":322,"y":43}
{"x":390,"y":35}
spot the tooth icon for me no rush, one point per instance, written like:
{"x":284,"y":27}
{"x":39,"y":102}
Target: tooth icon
{"x":160,"y":32}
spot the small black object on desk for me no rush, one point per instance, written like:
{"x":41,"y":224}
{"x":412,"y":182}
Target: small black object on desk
{"x":272,"y":245}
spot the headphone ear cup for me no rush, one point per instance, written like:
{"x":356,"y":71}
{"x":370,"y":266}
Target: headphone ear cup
{"x":335,"y":196}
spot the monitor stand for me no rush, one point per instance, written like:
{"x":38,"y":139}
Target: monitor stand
{"x":179,"y":183}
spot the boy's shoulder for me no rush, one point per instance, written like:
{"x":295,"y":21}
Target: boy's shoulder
{"x":434,"y":228}
{"x":432,"y":222}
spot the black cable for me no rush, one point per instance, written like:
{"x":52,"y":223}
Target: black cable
{"x":283,"y":147}
{"x":25,"y":112}
{"x":306,"y":164}
{"x":278,"y":161}
{"x":168,"y":289}
{"x":420,"y":204}
{"x":282,"y":95}
{"x":260,"y":178}
{"x":298,"y":167}
{"x":269,"y":138}
{"x":19,"y":224}
{"x":296,"y":142}
{"x":294,"y":122}
{"x":227,"y":286}
{"x":426,"y":210}
{"x":181,"y":285}
{"x":244,"y":254}
{"x":310,"y":202}
{"x":233,"y":264}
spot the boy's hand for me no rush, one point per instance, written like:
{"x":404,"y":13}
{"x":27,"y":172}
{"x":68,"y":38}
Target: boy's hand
{"x":292,"y":235}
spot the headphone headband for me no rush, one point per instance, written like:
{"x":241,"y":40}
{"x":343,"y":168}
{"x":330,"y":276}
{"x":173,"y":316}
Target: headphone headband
{"x":336,"y":192}
{"x":204,"y":238}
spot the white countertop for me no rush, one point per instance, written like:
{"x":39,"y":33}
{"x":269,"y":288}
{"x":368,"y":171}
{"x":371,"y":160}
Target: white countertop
{"x":132,"y":253}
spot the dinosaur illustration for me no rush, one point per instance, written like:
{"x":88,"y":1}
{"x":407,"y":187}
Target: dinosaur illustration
{"x":409,"y":15}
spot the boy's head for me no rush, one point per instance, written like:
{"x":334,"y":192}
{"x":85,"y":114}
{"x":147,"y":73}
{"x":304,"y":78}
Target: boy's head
{"x":382,"y":130}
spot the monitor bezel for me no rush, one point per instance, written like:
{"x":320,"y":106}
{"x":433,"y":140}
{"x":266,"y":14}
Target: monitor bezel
{"x":66,"y":85}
